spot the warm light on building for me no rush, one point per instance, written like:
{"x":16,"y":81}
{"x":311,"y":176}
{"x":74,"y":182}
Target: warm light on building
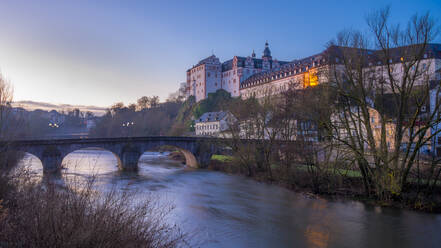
{"x":310,"y":79}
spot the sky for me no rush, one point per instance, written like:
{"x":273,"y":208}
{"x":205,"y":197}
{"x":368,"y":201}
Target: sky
{"x":103,"y":52}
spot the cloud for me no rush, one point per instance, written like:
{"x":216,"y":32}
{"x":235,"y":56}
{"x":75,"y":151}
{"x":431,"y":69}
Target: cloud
{"x":31,"y":105}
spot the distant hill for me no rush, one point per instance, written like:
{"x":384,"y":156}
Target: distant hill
{"x":31,"y":105}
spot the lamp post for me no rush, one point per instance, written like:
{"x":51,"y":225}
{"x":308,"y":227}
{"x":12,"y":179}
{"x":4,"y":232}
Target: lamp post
{"x":53,"y":125}
{"x":128,"y":126}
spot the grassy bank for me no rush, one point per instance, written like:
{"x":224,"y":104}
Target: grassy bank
{"x":332,"y":183}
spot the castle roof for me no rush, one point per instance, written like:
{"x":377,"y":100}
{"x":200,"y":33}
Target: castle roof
{"x":332,"y":55}
{"x":212,"y":116}
{"x":228,"y":65}
{"x":207,"y":60}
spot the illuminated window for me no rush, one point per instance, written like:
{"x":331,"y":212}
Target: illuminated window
{"x":310,"y":79}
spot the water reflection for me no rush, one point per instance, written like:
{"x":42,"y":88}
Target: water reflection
{"x":317,"y":232}
{"x":231,"y":211}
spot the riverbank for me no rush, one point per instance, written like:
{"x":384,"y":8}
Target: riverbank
{"x":226,"y":210}
{"x":338,"y":184}
{"x":76,"y":214}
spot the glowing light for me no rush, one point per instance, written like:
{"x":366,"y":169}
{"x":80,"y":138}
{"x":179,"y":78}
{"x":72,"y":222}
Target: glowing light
{"x":310,"y":79}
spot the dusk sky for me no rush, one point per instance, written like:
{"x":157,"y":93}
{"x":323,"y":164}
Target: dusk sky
{"x":102,"y":52}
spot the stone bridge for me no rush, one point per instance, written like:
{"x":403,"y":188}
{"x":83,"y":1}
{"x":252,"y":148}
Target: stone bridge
{"x":127,"y":150}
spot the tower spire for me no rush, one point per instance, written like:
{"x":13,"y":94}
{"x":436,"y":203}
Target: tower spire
{"x":266,"y":51}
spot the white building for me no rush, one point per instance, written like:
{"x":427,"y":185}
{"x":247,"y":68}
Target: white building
{"x":212,"y":123}
{"x":318,"y":68}
{"x":204,"y":78}
{"x":209,"y":75}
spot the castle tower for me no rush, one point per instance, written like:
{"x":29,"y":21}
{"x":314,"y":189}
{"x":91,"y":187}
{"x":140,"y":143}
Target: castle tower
{"x":266,"y":58}
{"x":267,"y":52}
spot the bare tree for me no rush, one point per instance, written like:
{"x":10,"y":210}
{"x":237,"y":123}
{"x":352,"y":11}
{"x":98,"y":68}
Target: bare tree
{"x":254,"y":132}
{"x":154,"y":101}
{"x":6,"y":94}
{"x":143,"y":102}
{"x":11,"y":124}
{"x":388,"y":72}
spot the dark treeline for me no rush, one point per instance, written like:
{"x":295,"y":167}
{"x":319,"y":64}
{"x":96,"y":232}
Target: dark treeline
{"x":46,"y":124}
{"x":148,"y":117}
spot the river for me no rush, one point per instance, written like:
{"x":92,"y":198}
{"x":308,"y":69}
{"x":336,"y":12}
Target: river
{"x":221,"y":210}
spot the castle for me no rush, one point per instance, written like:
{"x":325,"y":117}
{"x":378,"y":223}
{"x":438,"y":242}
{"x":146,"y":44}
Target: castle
{"x":250,"y":76}
{"x":210,"y":75}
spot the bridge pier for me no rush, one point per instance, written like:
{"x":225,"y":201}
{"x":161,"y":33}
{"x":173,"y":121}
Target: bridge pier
{"x":129,"y":160}
{"x":51,"y":158}
{"x":51,"y":164}
{"x":204,"y":159}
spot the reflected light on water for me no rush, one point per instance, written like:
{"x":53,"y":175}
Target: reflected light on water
{"x":221,"y":210}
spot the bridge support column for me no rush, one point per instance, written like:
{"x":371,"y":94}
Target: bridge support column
{"x":204,"y":159}
{"x":129,"y":160}
{"x":51,"y":159}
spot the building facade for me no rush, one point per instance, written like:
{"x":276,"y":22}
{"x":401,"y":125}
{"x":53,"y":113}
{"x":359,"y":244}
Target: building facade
{"x":357,"y":128}
{"x":204,"y":78}
{"x":322,"y":67}
{"x":212,"y":123}
{"x":299,"y":74}
{"x":209,"y":75}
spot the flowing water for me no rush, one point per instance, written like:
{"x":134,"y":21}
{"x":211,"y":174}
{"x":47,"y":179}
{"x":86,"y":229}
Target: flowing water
{"x":221,"y":210}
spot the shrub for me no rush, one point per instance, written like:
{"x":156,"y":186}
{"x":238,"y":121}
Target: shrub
{"x":45,"y":215}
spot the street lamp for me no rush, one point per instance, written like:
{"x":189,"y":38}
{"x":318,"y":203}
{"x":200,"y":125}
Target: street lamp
{"x":53,"y":125}
{"x":127,"y":125}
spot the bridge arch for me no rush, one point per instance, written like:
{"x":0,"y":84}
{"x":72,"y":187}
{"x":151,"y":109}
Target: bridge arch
{"x":190,"y":158}
{"x":21,"y":159}
{"x":66,"y":156}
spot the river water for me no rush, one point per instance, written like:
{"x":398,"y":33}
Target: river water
{"x":221,"y":210}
